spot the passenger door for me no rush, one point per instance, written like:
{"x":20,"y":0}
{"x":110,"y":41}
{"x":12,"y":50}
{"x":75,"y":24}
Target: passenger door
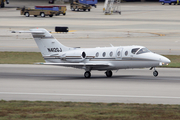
{"x":119,"y":52}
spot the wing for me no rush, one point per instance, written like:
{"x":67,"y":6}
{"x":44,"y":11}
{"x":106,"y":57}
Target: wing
{"x":80,"y":65}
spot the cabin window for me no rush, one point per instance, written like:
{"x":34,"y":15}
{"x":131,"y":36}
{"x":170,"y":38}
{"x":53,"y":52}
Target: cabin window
{"x":111,"y":54}
{"x":118,"y":53}
{"x":126,"y":53}
{"x":83,"y":54}
{"x":104,"y":54}
{"x":134,"y":50}
{"x":97,"y":54}
{"x":143,"y":50}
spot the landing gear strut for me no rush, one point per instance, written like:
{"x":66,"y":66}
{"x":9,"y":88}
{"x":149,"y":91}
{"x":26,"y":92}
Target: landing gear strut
{"x":155,"y":73}
{"x":108,"y":73}
{"x":87,"y":74}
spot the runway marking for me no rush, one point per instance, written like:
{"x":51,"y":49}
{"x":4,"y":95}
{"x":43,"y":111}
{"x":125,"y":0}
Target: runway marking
{"x":90,"y":95}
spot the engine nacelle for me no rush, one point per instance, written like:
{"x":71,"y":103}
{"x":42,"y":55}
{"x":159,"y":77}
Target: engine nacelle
{"x":74,"y":56}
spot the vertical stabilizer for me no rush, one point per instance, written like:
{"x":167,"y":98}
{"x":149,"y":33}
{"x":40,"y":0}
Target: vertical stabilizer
{"x":48,"y":45}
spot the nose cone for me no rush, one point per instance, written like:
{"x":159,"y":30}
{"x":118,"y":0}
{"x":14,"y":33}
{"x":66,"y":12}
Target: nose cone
{"x":164,"y":60}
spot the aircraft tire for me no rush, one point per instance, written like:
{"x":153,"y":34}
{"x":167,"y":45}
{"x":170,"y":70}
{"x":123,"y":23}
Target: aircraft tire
{"x":87,"y":74}
{"x":27,"y":14}
{"x":155,"y":73}
{"x":89,"y":10}
{"x":108,"y":73}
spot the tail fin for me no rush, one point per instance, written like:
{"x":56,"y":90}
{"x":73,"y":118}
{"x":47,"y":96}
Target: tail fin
{"x":48,"y":45}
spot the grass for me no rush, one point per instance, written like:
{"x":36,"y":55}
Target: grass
{"x":37,"y":110}
{"x":20,"y":57}
{"x":33,"y":57}
{"x":175,"y":61}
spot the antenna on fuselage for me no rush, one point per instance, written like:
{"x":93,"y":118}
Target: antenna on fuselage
{"x":111,"y":45}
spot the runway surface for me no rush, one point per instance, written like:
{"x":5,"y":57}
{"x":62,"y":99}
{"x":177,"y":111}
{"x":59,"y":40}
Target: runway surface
{"x":52,"y":83}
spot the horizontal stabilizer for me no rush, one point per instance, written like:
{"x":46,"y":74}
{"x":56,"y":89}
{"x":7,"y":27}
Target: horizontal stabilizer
{"x":35,"y":32}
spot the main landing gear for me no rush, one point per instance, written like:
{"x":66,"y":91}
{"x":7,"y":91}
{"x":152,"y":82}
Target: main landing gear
{"x":87,"y":74}
{"x":108,"y":73}
{"x":155,"y":72}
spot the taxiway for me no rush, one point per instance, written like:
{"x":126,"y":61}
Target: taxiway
{"x":53,"y":83}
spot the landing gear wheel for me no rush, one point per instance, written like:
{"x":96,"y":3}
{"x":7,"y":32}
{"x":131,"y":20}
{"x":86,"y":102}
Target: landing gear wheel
{"x":169,"y":3}
{"x":89,"y":10}
{"x":27,"y":14}
{"x":108,"y":73}
{"x":155,"y":73}
{"x":42,"y":14}
{"x":87,"y":74}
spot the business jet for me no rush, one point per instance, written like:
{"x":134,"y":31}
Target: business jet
{"x":100,"y":58}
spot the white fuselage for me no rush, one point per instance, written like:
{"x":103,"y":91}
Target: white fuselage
{"x":121,"y":57}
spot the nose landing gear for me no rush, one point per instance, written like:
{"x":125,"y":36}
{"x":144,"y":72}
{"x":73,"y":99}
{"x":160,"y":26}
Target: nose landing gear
{"x":155,"y":72}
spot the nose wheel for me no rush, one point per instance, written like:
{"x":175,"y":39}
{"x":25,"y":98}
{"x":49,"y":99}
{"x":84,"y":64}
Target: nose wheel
{"x":155,"y":73}
{"x":87,"y":74}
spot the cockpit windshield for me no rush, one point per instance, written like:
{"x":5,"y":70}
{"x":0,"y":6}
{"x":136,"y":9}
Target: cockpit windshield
{"x":134,"y":50}
{"x":143,"y":50}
